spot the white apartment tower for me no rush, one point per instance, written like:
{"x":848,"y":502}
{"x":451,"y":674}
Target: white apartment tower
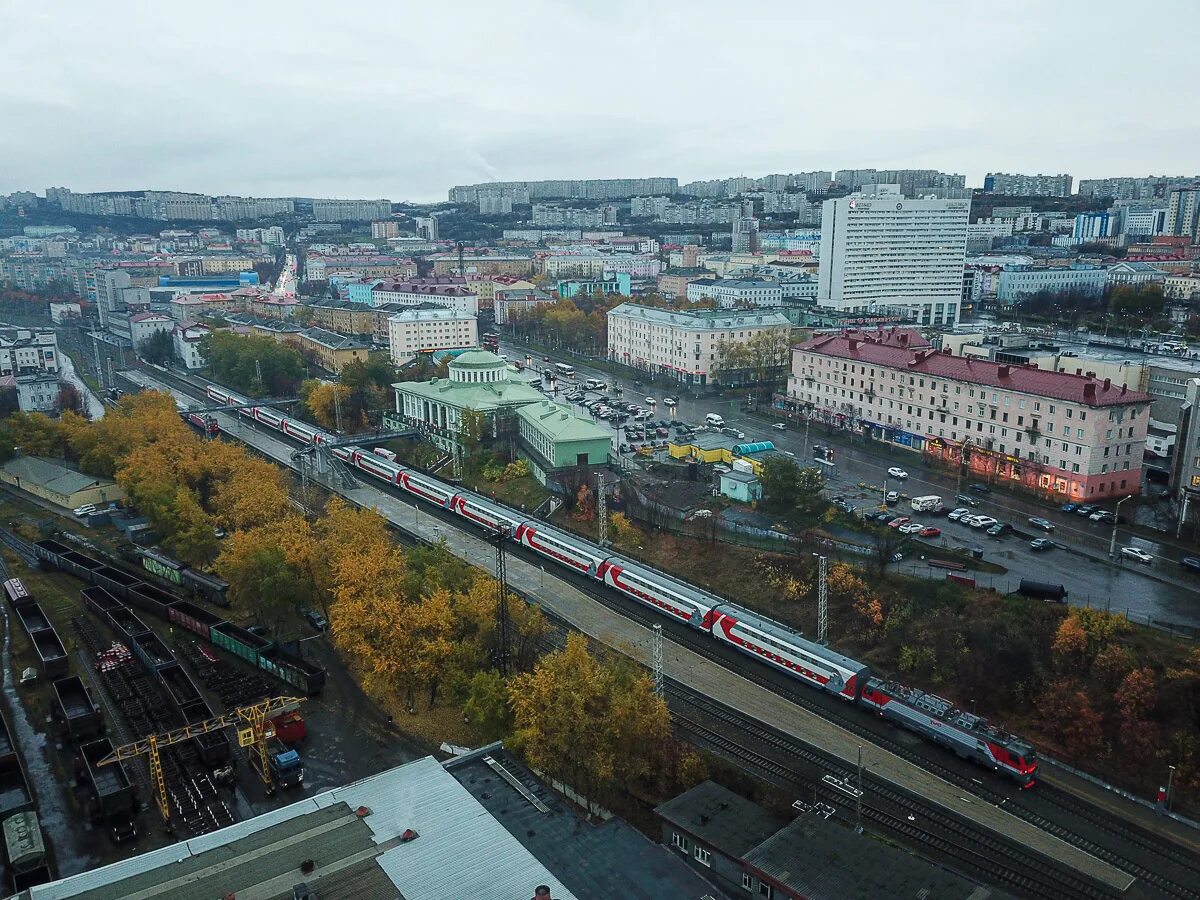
{"x":882,"y":252}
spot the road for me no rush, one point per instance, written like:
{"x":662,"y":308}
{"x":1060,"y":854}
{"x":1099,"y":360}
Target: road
{"x":285,"y":284}
{"x":91,"y":403}
{"x":1163,"y":595}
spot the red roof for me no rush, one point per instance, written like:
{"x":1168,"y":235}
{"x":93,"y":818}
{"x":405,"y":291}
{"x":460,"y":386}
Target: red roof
{"x":1031,"y":380}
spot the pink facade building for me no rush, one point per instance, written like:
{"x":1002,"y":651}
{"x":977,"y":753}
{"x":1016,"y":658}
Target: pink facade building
{"x":1071,"y":435}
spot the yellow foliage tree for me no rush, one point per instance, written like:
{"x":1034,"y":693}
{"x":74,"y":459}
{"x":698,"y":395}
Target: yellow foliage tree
{"x":1070,"y":644}
{"x":254,"y":494}
{"x":330,"y":406}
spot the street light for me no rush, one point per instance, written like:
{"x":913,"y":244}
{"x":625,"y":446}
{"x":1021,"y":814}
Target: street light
{"x":1112,"y":543}
{"x":1170,"y":778}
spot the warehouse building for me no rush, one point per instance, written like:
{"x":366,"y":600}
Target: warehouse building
{"x":54,"y":482}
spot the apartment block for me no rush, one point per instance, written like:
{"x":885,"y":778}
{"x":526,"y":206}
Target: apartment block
{"x":1070,"y":435}
{"x":1028,"y":185}
{"x":449,"y":291}
{"x":683,"y":345}
{"x":428,"y":328}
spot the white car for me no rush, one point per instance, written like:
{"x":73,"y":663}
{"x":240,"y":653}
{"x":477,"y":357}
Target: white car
{"x":1137,"y":553}
{"x":86,"y":510}
{"x":910,"y":528}
{"x":897,"y":472}
{"x":779,"y":426}
{"x":650,"y":401}
{"x":668,"y":401}
{"x":958,"y":514}
{"x":982,"y":521}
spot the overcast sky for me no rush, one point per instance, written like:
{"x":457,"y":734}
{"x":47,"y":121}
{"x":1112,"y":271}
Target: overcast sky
{"x":403,"y":100}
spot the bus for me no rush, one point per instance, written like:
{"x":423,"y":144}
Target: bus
{"x":491,"y":341}
{"x":564,"y":371}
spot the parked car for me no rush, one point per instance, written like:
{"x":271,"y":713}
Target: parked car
{"x":957,"y":514}
{"x":669,"y":401}
{"x":1000,"y":528}
{"x":910,"y":528}
{"x":1086,"y":510}
{"x":1137,"y":553}
{"x":1102,"y":515}
{"x":929,"y":532}
{"x":897,"y":472}
{"x":625,"y":448}
{"x":898,"y":521}
{"x":1039,"y":544}
{"x":1191,"y":563}
{"x":979,"y":488}
{"x":891,"y":498}
{"x":650,"y":401}
{"x":86,"y":510}
{"x":315,"y":619}
{"x":1070,"y":507}
{"x":1039,"y":522}
{"x":982,"y":522}
{"x":966,"y":500}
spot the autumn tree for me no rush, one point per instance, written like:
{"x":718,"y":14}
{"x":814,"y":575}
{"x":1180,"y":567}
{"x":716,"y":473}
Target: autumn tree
{"x":329,"y":404}
{"x":253,"y":494}
{"x":35,"y":434}
{"x":1068,"y":714}
{"x":487,"y":707}
{"x":1135,"y":700}
{"x":268,"y":570}
{"x":1070,"y":644}
{"x":595,"y":725}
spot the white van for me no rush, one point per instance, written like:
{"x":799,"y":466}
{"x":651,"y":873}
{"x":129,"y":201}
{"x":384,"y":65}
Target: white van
{"x":930,"y":503}
{"x":714,"y":420}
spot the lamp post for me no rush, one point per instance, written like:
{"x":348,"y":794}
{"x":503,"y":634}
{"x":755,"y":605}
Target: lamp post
{"x":1170,"y":778}
{"x":962,"y":463}
{"x":1112,"y":543}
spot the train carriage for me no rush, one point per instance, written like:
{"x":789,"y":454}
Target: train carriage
{"x":788,"y":650}
{"x":428,"y":489}
{"x":376,"y":466}
{"x":654,"y":589}
{"x":16,"y":592}
{"x":561,"y":547}
{"x":268,"y":417}
{"x":491,"y":516}
{"x":221,"y":395}
{"x":301,"y":432}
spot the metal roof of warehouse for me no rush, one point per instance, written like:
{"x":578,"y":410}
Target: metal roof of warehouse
{"x":461,"y":851}
{"x":51,"y":475}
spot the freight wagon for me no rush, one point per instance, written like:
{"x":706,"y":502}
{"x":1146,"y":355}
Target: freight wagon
{"x":51,"y":653}
{"x":114,"y":799}
{"x":152,"y":652}
{"x":128,"y":626}
{"x":16,"y":593}
{"x":74,"y":709}
{"x":112,"y":588}
{"x":180,"y":689}
{"x":213,"y":747}
{"x":24,"y":846}
{"x":33,"y":619}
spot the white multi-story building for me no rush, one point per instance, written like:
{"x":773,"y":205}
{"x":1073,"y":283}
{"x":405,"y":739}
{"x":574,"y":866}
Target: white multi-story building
{"x":451,"y":292}
{"x":881,"y":251}
{"x":495,"y":203}
{"x":683,"y":345}
{"x":1016,"y":282}
{"x":730,"y":292}
{"x":1071,"y":435}
{"x":428,"y":328}
{"x":387,"y":228}
{"x":24,"y":351}
{"x":1134,"y":273}
{"x":143,"y":326}
{"x":187,"y":337}
{"x":37,"y":393}
{"x":1028,"y":185}
{"x":1183,"y":213}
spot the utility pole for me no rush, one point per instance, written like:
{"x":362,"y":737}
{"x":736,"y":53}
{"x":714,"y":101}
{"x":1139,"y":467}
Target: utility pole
{"x":337,"y":408}
{"x":658,"y":661}
{"x":822,"y":601}
{"x":502,"y":620}
{"x":96,"y":350}
{"x":858,"y":800}
{"x":602,"y":509}
{"x":112,"y":381}
{"x":258,"y":373}
{"x":1112,"y":542}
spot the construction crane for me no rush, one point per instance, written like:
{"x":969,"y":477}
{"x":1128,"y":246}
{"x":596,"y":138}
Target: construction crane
{"x":253,"y":731}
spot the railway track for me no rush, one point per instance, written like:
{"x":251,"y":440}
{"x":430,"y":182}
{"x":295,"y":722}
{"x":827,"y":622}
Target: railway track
{"x":930,"y":828}
{"x":1170,"y":869}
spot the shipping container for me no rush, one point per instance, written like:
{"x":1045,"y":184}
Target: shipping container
{"x":128,"y":626}
{"x":75,"y":710}
{"x":152,"y":599}
{"x":51,"y":652}
{"x":16,"y":593}
{"x":115,"y":581}
{"x":152,"y":652}
{"x":32,"y":618}
{"x":193,"y":618}
{"x":240,"y":642}
{"x":99,"y":601}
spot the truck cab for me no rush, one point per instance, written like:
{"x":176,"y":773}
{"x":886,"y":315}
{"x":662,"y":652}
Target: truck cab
{"x":287,"y":769}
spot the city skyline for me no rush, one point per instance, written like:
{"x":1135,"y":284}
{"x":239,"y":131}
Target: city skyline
{"x":375,"y":104}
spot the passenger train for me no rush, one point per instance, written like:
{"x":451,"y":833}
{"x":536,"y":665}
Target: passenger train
{"x":970,"y":736}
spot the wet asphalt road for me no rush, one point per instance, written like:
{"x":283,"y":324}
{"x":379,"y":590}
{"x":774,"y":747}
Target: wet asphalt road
{"x":1160,"y":593}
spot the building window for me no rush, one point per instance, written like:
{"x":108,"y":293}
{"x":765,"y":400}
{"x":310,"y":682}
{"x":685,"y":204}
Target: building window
{"x":747,"y":881}
{"x":678,"y":840}
{"x":765,"y":890}
{"x":703,"y":857}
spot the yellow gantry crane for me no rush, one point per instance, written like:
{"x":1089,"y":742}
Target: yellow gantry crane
{"x":253,"y":731}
